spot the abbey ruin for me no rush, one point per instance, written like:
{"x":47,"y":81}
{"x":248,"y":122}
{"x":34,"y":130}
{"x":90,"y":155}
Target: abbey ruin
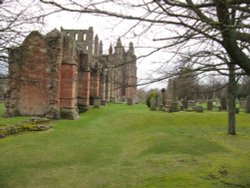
{"x":60,"y":74}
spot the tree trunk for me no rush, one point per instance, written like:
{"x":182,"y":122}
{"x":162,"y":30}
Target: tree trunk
{"x":231,"y":90}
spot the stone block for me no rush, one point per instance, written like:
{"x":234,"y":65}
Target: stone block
{"x":103,"y":102}
{"x":198,"y":108}
{"x":97,"y":103}
{"x":69,"y":113}
{"x":82,"y":108}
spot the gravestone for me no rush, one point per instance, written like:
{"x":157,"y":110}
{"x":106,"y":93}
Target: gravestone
{"x":153,"y":104}
{"x":171,"y":104}
{"x":185,"y":104}
{"x":191,"y":104}
{"x":129,"y":101}
{"x":198,"y":108}
{"x":103,"y":102}
{"x":97,"y":102}
{"x":248,"y":104}
{"x":174,"y":107}
{"x":169,"y":93}
{"x":163,"y":96}
{"x":242,"y":103}
{"x":223,"y":103}
{"x":210,"y":105}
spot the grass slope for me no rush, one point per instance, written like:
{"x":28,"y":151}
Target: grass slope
{"x":130,"y":146}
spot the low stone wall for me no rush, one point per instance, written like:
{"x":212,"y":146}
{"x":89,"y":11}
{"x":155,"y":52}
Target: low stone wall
{"x":33,"y":124}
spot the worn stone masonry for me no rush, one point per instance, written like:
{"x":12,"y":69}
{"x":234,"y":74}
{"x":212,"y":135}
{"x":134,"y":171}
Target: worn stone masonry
{"x":60,"y":74}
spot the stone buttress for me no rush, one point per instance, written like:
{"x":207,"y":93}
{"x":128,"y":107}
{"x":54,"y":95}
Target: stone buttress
{"x":58,"y":75}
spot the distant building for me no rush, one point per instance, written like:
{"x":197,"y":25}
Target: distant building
{"x":61,"y":73}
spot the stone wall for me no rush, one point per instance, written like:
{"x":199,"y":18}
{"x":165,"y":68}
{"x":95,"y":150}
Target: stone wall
{"x":33,"y":77}
{"x":83,"y":82}
{"x":56,"y":75}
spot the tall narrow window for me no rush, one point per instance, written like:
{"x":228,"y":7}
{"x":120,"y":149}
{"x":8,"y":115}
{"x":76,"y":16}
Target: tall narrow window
{"x":84,"y":36}
{"x":76,"y":36}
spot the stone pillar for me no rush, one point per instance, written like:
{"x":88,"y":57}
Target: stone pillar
{"x":68,"y":99}
{"x":112,"y":89}
{"x":169,"y":93}
{"x":107,"y":90}
{"x":129,"y":94}
{"x":163,"y":97}
{"x":117,"y":92}
{"x":103,"y":89}
{"x":172,"y":105}
{"x":96,"y":45}
{"x":54,"y":40}
{"x":100,"y":48}
{"x":83,"y":84}
{"x":69,"y":80}
{"x":94,"y":85}
{"x":130,"y":73}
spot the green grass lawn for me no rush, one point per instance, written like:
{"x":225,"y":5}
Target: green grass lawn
{"x":122,"y":146}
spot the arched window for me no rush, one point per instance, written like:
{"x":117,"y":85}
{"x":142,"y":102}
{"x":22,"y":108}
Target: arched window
{"x":84,"y":37}
{"x":76,"y":36}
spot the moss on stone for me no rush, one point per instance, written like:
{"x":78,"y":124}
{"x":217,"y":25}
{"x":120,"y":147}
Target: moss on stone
{"x":33,"y":124}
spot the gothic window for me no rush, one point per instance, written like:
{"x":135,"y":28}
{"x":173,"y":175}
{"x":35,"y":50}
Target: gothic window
{"x":84,"y":36}
{"x":76,"y":36}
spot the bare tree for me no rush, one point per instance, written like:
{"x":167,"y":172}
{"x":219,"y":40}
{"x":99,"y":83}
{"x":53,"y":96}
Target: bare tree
{"x":17,"y":19}
{"x":203,"y":24}
{"x":218,"y":63}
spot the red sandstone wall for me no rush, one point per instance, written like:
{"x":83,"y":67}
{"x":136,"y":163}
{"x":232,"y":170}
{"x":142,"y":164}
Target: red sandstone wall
{"x":34,"y":76}
{"x":95,"y":84}
{"x":69,"y":80}
{"x":68,"y":86}
{"x":83,"y":83}
{"x":49,"y":78}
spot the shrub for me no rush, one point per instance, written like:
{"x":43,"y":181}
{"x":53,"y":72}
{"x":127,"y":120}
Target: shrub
{"x":152,"y":94}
